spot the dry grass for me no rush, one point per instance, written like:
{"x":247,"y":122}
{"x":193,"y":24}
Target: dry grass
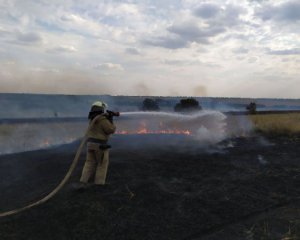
{"x":288,"y":123}
{"x":6,"y":129}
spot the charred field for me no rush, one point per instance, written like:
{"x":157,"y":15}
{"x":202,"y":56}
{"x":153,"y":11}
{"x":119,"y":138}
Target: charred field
{"x":240,"y":188}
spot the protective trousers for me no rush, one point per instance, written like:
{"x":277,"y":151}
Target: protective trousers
{"x":96,"y":163}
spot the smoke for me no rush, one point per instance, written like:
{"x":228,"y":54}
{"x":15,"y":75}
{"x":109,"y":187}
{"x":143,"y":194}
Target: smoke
{"x":198,"y":131}
{"x":199,"y":91}
{"x":239,"y":125}
{"x":202,"y":131}
{"x":142,"y":89}
{"x":17,"y":79}
{"x":27,"y":137}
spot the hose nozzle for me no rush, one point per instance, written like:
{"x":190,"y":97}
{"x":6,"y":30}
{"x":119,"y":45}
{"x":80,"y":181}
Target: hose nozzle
{"x":113,"y":114}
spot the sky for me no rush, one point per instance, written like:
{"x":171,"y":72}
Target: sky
{"x":217,"y":48}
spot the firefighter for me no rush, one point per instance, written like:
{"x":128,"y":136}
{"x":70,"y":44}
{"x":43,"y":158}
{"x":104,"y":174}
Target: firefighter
{"x":97,"y":157}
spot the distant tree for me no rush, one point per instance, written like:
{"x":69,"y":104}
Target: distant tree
{"x":251,"y":108}
{"x":187,"y":105}
{"x":150,"y":105}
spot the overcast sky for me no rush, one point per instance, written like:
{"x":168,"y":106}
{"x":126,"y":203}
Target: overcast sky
{"x":228,"y":48}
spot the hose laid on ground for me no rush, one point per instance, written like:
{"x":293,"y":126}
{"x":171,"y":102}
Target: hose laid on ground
{"x":61,"y":184}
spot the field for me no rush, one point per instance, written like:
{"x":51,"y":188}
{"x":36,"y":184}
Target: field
{"x":287,"y":124}
{"x":32,"y":136}
{"x":244,"y":187}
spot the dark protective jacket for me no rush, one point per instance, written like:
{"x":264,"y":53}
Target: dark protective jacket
{"x":101,"y":129}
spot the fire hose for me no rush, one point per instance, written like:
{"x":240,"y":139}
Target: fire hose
{"x":64,"y":180}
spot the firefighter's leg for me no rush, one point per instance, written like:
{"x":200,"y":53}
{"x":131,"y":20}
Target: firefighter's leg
{"x":90,"y":163}
{"x":102,"y":166}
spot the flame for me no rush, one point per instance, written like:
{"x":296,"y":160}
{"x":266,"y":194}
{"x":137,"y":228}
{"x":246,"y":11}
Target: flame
{"x":45,"y":143}
{"x":154,"y":128}
{"x":50,"y":142}
{"x":145,"y":131}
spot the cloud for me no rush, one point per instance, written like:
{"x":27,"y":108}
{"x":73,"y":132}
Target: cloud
{"x":169,"y":41}
{"x":207,"y":10}
{"x":199,"y":26}
{"x":182,"y":34}
{"x":192,"y":32}
{"x":175,"y":62}
{"x":28,"y":38}
{"x":240,"y":50}
{"x":257,"y":1}
{"x":162,"y":42}
{"x":288,"y":12}
{"x":80,"y":24}
{"x":188,"y":62}
{"x":133,"y":51}
{"x":227,"y":15}
{"x":109,"y":66}
{"x":21,"y":37}
{"x":293,"y":51}
{"x":4,"y":32}
{"x":252,"y":60}
{"x":44,"y":70}
{"x":239,"y":36}
{"x":62,"y":49}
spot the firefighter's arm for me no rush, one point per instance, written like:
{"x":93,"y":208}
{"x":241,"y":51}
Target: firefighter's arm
{"x":108,"y":127}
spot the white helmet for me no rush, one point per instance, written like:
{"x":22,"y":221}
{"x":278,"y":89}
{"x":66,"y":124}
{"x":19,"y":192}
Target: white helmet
{"x":100,"y":104}
{"x":98,"y":107}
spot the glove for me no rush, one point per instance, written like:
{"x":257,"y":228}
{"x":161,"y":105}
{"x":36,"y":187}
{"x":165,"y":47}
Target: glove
{"x":110,"y":118}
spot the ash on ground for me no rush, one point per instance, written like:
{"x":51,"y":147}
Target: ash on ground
{"x":248,"y":188}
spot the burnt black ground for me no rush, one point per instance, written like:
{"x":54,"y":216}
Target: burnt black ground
{"x":243,"y":188}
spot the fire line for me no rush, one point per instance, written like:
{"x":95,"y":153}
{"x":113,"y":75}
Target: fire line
{"x":145,"y":131}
